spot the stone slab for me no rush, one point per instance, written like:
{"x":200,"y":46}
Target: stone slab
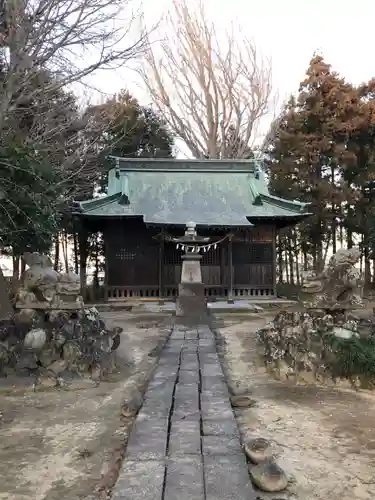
{"x":140,"y":481}
{"x":210,"y":383}
{"x":184,"y":479}
{"x":146,"y":426}
{"x":188,"y":391}
{"x":221,"y":445}
{"x":184,"y":407}
{"x":216,"y":407}
{"x":216,"y":427}
{"x":187,"y":377}
{"x":148,"y":445}
{"x":161,"y":384}
{"x":211,"y":370}
{"x":227,"y":478}
{"x":185,"y":438}
{"x":206,"y":358}
{"x":155,"y":408}
{"x":189,"y":365}
{"x":177,"y":335}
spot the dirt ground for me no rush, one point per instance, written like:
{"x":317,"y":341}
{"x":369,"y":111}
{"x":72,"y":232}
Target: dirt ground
{"x":61,"y":444}
{"x":323,"y":437}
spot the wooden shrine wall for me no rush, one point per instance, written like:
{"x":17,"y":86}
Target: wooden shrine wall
{"x":139,"y":265}
{"x":253,"y":257}
{"x":132,"y":255}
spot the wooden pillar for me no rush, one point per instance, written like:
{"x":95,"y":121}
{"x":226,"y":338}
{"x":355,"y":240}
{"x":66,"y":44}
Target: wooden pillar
{"x":222,"y":266}
{"x":161,"y":268}
{"x":230,"y":266}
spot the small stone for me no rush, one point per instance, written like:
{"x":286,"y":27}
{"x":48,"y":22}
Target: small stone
{"x":74,"y":382}
{"x":58,"y":315}
{"x":29,"y":318}
{"x":242,"y":401}
{"x":48,"y":356}
{"x":132,"y":406}
{"x":24,"y":297}
{"x":268,"y":476}
{"x":26,"y":362}
{"x":46,"y":380}
{"x":71,"y":352}
{"x":35,"y":339}
{"x":57,"y":367}
{"x":257,"y":450}
{"x":7,"y":328}
{"x":4,"y":356}
{"x":116,"y":341}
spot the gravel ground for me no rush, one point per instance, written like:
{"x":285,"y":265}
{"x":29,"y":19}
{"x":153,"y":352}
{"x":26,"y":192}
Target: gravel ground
{"x":66,"y":444}
{"x":323,"y":437}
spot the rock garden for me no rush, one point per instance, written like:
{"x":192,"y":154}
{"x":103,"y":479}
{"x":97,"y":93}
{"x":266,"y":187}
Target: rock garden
{"x":52,"y":336}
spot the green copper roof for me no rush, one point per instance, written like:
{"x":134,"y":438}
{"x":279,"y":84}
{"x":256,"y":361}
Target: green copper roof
{"x":212,"y":193}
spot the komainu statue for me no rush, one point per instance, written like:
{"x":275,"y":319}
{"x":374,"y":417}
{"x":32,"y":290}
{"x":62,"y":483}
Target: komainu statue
{"x":339,"y":286}
{"x":41,"y":283}
{"x":52,"y":336}
{"x":312,"y":337}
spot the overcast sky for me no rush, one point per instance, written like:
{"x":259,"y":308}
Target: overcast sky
{"x":288,"y":31}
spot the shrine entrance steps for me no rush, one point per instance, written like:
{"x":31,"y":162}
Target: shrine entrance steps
{"x":184,"y":444}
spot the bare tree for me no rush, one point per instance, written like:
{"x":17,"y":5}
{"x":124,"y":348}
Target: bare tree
{"x":46,"y":46}
{"x":212,"y":92}
{"x":61,"y":42}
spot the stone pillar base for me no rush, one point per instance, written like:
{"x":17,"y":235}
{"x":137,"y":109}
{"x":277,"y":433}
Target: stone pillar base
{"x":191,"y":301}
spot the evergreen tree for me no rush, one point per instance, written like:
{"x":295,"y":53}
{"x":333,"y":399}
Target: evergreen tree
{"x":308,"y":150}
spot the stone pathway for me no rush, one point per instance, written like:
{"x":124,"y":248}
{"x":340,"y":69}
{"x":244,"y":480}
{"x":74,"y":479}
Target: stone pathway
{"x":184,"y":444}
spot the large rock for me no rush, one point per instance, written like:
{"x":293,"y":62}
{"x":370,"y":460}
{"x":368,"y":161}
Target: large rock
{"x":268,"y":476}
{"x":35,"y":339}
{"x":258,"y":450}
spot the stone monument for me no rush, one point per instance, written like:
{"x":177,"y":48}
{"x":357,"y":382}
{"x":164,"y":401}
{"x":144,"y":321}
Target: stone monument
{"x":191,"y":301}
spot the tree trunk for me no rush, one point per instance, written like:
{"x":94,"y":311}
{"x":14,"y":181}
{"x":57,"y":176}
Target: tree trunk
{"x":366,"y":253}
{"x":23,"y":267}
{"x":341,"y":235}
{"x":57,"y":252}
{"x":305,"y":261}
{"x":290,"y":258}
{"x":349,"y":237}
{"x":296,"y":255}
{"x":334,"y":222}
{"x":286,"y":264}
{"x":64,"y":242}
{"x":280,"y":259}
{"x":96,"y":272}
{"x":83,"y":253}
{"x":6,"y":310}
{"x":16,"y":267}
{"x":75,"y":249}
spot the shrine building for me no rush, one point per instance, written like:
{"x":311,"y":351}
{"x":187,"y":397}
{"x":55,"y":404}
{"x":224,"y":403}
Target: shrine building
{"x":150,"y":201}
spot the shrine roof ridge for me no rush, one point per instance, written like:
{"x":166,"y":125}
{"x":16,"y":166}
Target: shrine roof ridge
{"x":186,"y":165}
